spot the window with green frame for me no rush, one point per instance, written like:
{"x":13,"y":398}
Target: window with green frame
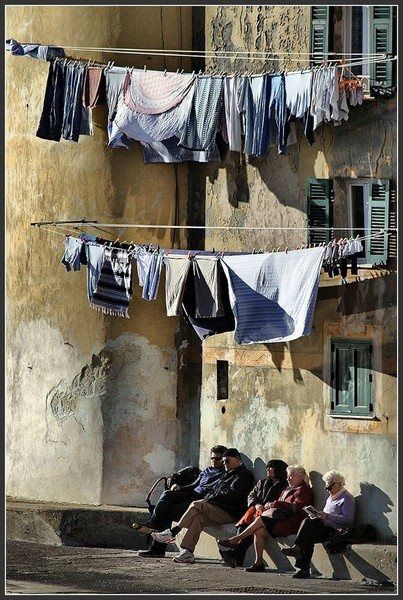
{"x":351,"y":378}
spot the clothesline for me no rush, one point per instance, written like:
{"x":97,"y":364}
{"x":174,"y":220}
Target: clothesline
{"x":234,"y":53}
{"x":220,"y":227}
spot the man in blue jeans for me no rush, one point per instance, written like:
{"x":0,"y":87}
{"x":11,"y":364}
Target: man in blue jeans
{"x":174,"y":502}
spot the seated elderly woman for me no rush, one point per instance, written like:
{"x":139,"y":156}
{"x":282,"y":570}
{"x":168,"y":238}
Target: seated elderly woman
{"x":265,"y":491}
{"x":338,"y":513}
{"x":280,"y":518}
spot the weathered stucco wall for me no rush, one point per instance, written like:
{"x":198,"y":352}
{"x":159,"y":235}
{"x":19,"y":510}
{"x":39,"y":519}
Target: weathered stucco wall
{"x":92,"y":400}
{"x":279,"y":393}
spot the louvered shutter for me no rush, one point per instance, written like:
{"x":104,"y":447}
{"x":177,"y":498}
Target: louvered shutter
{"x":362,"y":404}
{"x":378,"y":219}
{"x":319,"y":209}
{"x":381,"y":41}
{"x":342,"y":379}
{"x":320,"y":36}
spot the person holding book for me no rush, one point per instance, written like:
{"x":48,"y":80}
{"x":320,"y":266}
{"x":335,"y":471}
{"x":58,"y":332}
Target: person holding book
{"x":280,"y":518}
{"x":338,"y":514}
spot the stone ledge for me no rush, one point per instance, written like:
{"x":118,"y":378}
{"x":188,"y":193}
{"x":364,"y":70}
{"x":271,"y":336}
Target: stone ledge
{"x":75,"y":525}
{"x":375,"y":561}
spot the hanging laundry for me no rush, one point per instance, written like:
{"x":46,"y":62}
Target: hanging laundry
{"x":51,"y":121}
{"x":206,"y":327}
{"x":325,"y":95}
{"x":76,"y":119}
{"x":254,"y":107}
{"x":153,"y":92}
{"x":114,"y":78}
{"x":33,"y":50}
{"x":206,"y":272}
{"x":150,"y":128}
{"x":277,"y":113}
{"x":94,"y":87}
{"x":273,"y":295}
{"x":232,"y":88}
{"x":168,"y":151}
{"x":113,"y":288}
{"x":201,"y":122}
{"x":72,"y":253}
{"x":153,"y":276}
{"x":298,"y":92}
{"x":95,"y":258}
{"x":177,"y":268}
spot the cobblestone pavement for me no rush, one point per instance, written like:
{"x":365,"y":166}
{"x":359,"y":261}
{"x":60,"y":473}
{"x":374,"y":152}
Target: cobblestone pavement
{"x":36,"y":568}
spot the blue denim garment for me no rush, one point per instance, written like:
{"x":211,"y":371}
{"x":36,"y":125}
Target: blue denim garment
{"x":72,"y":253}
{"x":33,"y":50}
{"x":73,"y":102}
{"x":152,"y":277}
{"x":277,"y":110}
{"x":253,"y":106}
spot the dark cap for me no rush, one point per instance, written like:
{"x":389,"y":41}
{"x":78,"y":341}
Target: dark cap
{"x":232,"y":452}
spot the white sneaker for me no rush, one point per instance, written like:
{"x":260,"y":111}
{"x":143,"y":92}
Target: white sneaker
{"x":184,"y":556}
{"x":165,"y":537}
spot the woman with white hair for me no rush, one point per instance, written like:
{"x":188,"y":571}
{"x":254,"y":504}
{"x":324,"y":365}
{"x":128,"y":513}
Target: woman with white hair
{"x":282,"y":517}
{"x":338,"y":513}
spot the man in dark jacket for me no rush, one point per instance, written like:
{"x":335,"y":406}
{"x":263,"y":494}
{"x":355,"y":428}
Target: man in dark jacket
{"x":224,"y":504}
{"x":266,"y":490}
{"x":174,"y":502}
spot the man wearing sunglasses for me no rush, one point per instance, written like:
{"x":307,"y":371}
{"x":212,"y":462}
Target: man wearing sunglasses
{"x":174,"y":502}
{"x":224,"y":504}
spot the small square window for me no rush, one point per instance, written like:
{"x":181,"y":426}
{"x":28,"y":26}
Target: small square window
{"x":222,"y":380}
{"x":351,"y":378}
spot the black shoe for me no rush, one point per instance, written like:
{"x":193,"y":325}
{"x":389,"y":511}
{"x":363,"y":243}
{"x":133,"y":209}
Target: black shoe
{"x":301,"y":574}
{"x":229,"y":560}
{"x":150,"y":554}
{"x":256,"y":568}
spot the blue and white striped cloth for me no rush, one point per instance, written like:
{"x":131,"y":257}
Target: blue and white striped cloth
{"x":273,"y":295}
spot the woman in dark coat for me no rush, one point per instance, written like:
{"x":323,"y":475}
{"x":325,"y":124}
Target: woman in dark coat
{"x":282,"y":517}
{"x":266,"y":490}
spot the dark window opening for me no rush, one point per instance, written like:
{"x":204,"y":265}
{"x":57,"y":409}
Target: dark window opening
{"x":356,"y":35}
{"x":222,"y":380}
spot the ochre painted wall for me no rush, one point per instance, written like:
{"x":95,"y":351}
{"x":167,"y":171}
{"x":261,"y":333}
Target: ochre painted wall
{"x":91,"y":413}
{"x":279,"y":393}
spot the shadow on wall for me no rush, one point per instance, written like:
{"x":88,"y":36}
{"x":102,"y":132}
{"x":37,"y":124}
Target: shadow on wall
{"x":372,"y":506}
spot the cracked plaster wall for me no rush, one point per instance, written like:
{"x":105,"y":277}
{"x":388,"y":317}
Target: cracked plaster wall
{"x":91,"y":410}
{"x":279,"y":393}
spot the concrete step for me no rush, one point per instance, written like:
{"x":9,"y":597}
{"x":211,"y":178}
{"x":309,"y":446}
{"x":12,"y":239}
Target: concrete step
{"x":373,"y":562}
{"x":75,"y":525}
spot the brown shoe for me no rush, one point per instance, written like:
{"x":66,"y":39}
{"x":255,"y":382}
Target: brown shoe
{"x":145,"y":528}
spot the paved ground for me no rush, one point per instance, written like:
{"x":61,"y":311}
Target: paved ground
{"x":36,"y":568}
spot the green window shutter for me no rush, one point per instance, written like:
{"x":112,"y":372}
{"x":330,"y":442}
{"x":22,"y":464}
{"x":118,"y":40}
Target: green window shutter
{"x":362,"y":378}
{"x":342,"y":379}
{"x":381,"y":40}
{"x":320,"y":33}
{"x":319,"y":209}
{"x":378,"y":219}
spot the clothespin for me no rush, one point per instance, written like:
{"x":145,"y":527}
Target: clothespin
{"x":278,"y":249}
{"x":145,"y":68}
{"x":253,"y":251}
{"x":286,"y":249}
{"x":116,"y":241}
{"x":165,"y":72}
{"x":182,"y":71}
{"x":273,"y":250}
{"x":177,"y":71}
{"x":193,"y":73}
{"x":200,"y":72}
{"x":112,"y":63}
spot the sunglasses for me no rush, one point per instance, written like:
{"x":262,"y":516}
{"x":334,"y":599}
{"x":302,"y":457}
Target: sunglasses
{"x":215,"y":457}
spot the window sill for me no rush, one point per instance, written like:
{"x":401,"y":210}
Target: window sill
{"x":355,"y":417}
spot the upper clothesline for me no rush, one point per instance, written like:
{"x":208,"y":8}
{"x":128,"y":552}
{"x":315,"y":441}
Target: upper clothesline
{"x":264,"y":297}
{"x":180,"y":117}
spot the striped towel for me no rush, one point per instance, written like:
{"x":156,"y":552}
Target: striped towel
{"x":114,"y":288}
{"x":273,"y":295}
